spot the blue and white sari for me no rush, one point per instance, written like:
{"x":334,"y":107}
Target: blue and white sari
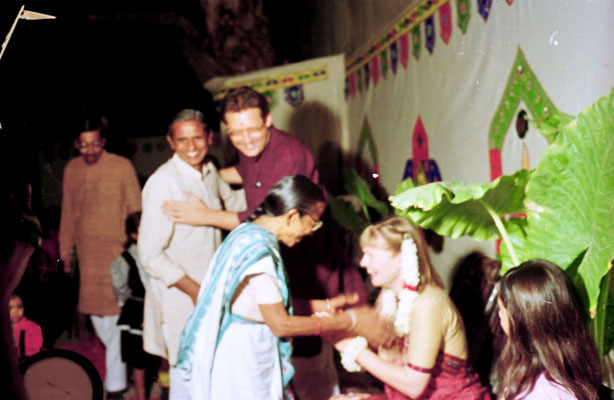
{"x":222,"y":354}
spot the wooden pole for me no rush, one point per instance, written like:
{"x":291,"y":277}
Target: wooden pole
{"x":8,"y":37}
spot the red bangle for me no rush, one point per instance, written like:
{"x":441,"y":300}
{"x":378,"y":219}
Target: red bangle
{"x":319,"y":327}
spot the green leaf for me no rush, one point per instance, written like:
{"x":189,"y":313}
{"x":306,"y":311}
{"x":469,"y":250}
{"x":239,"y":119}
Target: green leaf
{"x":455,"y":209}
{"x":570,"y":197}
{"x":551,"y":126}
{"x":343,"y":212}
{"x":517,"y":231}
{"x":357,"y":186}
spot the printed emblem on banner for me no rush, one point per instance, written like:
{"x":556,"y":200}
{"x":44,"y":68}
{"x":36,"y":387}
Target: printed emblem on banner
{"x":463,"y":11}
{"x":429,"y":34}
{"x":484,"y":8}
{"x":445,"y":22}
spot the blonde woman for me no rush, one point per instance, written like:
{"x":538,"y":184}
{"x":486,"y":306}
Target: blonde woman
{"x":429,"y":357}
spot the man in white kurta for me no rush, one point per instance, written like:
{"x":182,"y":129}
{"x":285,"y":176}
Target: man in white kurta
{"x":176,"y":255}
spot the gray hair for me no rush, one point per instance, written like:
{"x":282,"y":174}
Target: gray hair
{"x":185,"y":115}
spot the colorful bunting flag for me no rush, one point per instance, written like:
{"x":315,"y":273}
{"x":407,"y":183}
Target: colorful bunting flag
{"x":359,"y":79}
{"x":484,"y":8}
{"x":394,"y":57}
{"x":352,"y":85}
{"x":509,"y":2}
{"x":429,"y":34}
{"x":445,"y":22}
{"x":375,"y":70}
{"x":383,"y":62}
{"x":415,"y":41}
{"x":463,"y":11}
{"x":404,"y":45}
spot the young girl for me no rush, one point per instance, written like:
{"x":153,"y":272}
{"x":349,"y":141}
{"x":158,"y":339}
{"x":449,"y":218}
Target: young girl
{"x":27,"y":334}
{"x":129,"y":282}
{"x":548,"y":351}
{"x":429,"y":358}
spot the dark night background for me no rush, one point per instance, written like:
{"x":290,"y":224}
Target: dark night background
{"x":136,"y":61}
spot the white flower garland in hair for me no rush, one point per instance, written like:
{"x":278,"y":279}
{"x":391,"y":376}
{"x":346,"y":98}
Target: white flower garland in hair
{"x":410,"y":273}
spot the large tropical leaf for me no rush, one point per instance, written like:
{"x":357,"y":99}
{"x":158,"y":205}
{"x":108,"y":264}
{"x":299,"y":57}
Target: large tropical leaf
{"x":343,"y":212}
{"x":570,"y":197}
{"x":358,"y":187}
{"x":455,"y":209}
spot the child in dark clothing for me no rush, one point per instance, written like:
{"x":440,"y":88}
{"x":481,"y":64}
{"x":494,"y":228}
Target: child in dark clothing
{"x":129,"y":282}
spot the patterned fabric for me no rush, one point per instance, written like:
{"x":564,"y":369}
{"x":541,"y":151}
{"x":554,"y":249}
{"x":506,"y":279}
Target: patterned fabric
{"x":96,"y":200}
{"x":211,"y":318}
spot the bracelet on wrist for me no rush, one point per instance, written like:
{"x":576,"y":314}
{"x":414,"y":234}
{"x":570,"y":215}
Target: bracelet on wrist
{"x":352,"y":315}
{"x":351,"y":352}
{"x":319,"y":326}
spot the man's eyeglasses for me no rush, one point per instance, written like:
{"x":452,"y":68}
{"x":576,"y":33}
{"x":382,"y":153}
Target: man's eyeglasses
{"x":252,"y":132}
{"x":95,"y":144}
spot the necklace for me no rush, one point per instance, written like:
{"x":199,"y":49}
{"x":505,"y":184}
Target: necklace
{"x":400,"y":309}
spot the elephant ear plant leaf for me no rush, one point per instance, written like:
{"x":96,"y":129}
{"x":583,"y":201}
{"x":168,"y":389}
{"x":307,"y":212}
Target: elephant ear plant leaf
{"x":570,"y":199}
{"x":455,"y":209}
{"x":355,"y":185}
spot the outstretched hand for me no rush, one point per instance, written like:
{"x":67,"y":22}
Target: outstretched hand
{"x":192,"y":212}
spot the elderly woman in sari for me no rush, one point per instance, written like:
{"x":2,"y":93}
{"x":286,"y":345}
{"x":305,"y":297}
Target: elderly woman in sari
{"x":235,"y":344}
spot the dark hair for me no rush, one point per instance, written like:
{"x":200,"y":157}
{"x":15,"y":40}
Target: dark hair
{"x":90,"y":121}
{"x":132,"y":226}
{"x":547,"y":334}
{"x":292,"y":192}
{"x":187,"y":114}
{"x":242,"y":98}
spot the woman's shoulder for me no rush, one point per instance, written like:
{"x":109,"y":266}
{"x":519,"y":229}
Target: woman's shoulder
{"x":433,"y":296}
{"x":546,"y":389}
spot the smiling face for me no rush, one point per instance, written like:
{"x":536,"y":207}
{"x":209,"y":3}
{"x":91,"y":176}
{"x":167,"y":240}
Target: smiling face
{"x":90,"y":144}
{"x":15,"y":309}
{"x":382,"y":264}
{"x":248,"y":130}
{"x":297,"y":226}
{"x":190,"y":141}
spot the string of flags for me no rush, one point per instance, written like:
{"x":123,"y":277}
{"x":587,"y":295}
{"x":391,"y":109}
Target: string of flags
{"x":405,"y":36}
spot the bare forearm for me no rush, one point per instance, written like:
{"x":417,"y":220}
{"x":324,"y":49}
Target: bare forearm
{"x":284,"y":325}
{"x":231,"y":176}
{"x":189,"y":286}
{"x":221,"y":219}
{"x":409,"y":382}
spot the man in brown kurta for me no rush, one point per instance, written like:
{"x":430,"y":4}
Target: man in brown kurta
{"x":100,"y":190}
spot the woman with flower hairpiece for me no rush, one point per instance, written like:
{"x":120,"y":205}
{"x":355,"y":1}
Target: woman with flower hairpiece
{"x":429,"y":357}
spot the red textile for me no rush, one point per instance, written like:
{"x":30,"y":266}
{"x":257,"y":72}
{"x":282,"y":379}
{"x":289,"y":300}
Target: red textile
{"x":451,"y":378}
{"x":33,"y":337}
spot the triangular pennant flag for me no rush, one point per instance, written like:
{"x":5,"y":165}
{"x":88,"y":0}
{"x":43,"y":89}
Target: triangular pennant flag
{"x":445,"y":22}
{"x":429,"y":34}
{"x":463,"y":11}
{"x":31,"y":15}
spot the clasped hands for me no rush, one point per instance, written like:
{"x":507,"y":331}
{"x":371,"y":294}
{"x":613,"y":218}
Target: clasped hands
{"x":369,"y":324}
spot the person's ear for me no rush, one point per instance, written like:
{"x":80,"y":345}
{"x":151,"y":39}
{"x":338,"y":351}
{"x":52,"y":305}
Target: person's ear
{"x":76,"y":143}
{"x":290,"y":215}
{"x":209,"y":137}
{"x":103,"y":141}
{"x":268,"y":121}
{"x":169,"y":139}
